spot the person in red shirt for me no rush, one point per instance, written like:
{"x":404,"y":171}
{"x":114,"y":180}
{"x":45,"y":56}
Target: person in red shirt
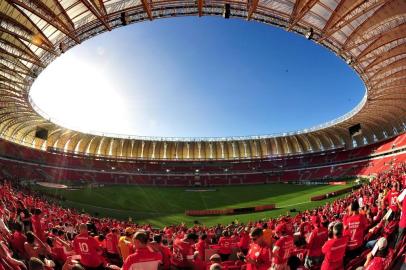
{"x":318,"y":236}
{"x":18,"y":239}
{"x":144,"y":258}
{"x":386,"y":227}
{"x":201,"y":246}
{"x":299,"y":251}
{"x":34,"y":247}
{"x":57,"y":252}
{"x":198,"y":263}
{"x":305,"y":228}
{"x":157,"y":246}
{"x":36,"y":224}
{"x":355,"y":226}
{"x":244,"y":242}
{"x":391,"y":197}
{"x":402,"y":223}
{"x":112,"y":246}
{"x":102,"y":241}
{"x":283,"y":247}
{"x":183,"y":252}
{"x":334,"y":249}
{"x":289,"y":228}
{"x":225,"y":243}
{"x":88,"y":248}
{"x":6,"y":256}
{"x":259,"y":254}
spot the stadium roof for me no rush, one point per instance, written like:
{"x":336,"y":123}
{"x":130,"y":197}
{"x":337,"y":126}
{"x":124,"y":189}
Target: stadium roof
{"x":369,"y":35}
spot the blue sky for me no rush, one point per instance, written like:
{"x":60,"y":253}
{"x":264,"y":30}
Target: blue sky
{"x":197,"y":77}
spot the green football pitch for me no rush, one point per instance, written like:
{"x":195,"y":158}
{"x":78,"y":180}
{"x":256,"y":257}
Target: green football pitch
{"x":161,"y":206}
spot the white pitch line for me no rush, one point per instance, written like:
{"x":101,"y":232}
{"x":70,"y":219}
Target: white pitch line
{"x":289,"y":205}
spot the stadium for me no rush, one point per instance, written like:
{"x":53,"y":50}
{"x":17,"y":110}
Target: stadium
{"x":325,"y":197}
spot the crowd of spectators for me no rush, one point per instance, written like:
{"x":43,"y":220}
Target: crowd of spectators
{"x":363,"y":230}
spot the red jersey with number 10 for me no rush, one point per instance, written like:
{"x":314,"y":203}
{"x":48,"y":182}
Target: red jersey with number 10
{"x":282,"y":250}
{"x":391,"y":199}
{"x":87,"y":247}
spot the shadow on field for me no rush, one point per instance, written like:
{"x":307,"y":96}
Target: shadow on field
{"x":144,"y":203}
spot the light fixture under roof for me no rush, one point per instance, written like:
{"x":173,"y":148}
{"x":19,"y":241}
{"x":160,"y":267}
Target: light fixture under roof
{"x":309,"y":33}
{"x":226,"y":11}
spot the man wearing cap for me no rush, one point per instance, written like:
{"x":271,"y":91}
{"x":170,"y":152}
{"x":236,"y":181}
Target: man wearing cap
{"x":214,"y":259}
{"x":124,"y":243}
{"x":334,"y":249}
{"x":215,"y":266}
{"x":143,"y":258}
{"x":259,"y":254}
{"x":318,"y":236}
{"x":183,"y":252}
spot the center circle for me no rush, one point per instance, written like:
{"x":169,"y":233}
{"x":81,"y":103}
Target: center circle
{"x":196,"y":77}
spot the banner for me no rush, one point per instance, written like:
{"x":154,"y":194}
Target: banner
{"x":230,"y":211}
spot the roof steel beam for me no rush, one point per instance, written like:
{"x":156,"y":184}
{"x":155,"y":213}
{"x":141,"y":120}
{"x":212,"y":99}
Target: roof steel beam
{"x":39,"y":45}
{"x":65,"y":15}
{"x":41,"y":8}
{"x":15,"y":62}
{"x":103,"y":8}
{"x":46,"y":17}
{"x":147,"y":8}
{"x":386,"y":6}
{"x":44,"y":38}
{"x":13,"y":54}
{"x":200,"y":4}
{"x":26,"y":50}
{"x":252,"y":7}
{"x":299,"y":12}
{"x":97,"y":14}
{"x":341,"y":23}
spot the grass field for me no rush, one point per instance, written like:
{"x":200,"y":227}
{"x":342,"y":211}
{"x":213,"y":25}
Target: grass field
{"x":162,"y":206}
